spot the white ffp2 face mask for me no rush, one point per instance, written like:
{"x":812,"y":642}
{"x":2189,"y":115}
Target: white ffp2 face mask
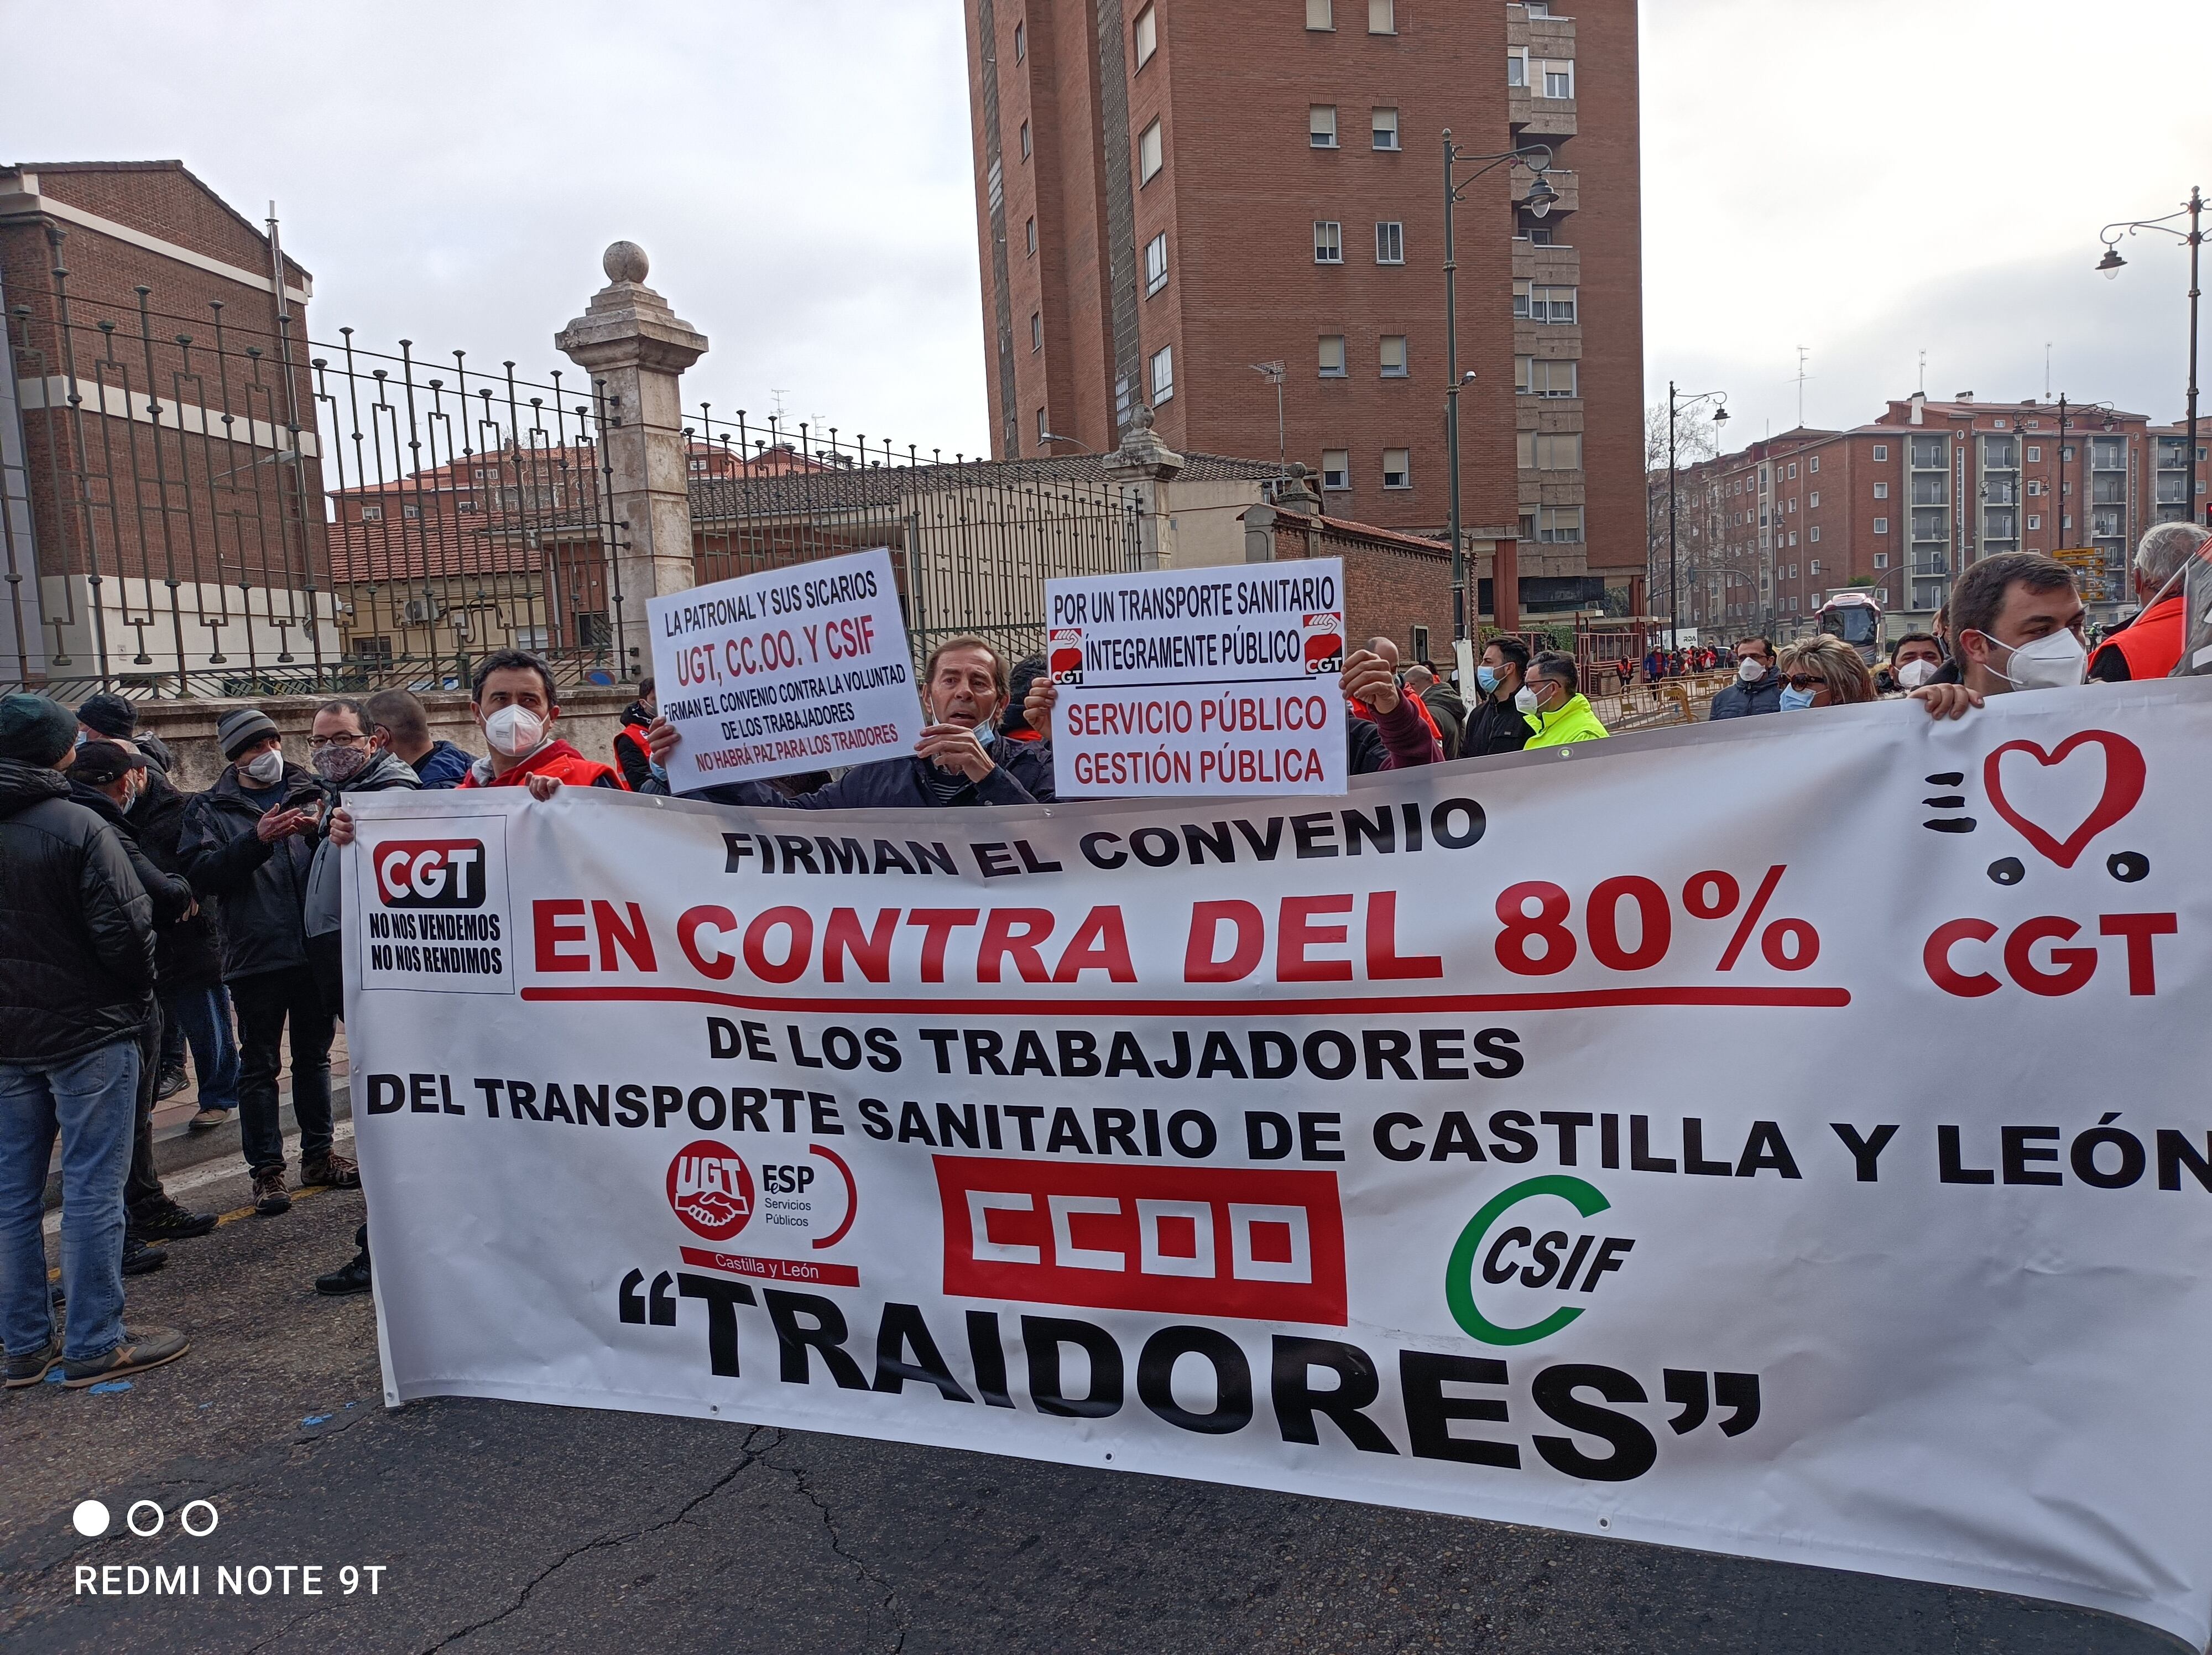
{"x":2056,"y":661}
{"x":515,"y":732}
{"x":1750,"y":671}
{"x":266,"y":767}
{"x":1524,"y":700}
{"x":1914,"y":673}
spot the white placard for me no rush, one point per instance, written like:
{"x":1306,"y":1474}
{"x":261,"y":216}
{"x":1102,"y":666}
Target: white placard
{"x":793,"y":669}
{"x":1198,"y":683}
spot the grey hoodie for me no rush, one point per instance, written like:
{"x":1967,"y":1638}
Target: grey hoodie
{"x":325,"y":903}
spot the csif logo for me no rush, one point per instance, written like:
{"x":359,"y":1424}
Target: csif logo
{"x":1520,"y":1269}
{"x":430,"y":873}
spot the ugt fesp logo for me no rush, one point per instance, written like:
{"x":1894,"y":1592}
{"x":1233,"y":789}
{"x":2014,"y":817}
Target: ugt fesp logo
{"x":711,"y":1190}
{"x":430,"y":873}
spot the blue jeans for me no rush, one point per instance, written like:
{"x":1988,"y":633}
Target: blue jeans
{"x":204,"y":1015}
{"x":93,"y":1101}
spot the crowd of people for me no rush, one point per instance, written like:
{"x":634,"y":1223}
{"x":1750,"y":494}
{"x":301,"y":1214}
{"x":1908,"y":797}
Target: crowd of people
{"x":139,"y":922}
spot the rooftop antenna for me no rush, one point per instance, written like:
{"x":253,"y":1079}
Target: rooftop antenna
{"x":778,"y":395}
{"x":1803,"y":351}
{"x":2046,"y":370}
{"x":1923,"y":373}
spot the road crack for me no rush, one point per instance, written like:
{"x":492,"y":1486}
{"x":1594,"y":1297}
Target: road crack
{"x":892,"y":1606}
{"x":608,"y":1542}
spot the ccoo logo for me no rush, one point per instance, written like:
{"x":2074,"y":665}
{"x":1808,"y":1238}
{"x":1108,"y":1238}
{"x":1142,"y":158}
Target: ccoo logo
{"x":430,"y":873}
{"x":711,"y":1190}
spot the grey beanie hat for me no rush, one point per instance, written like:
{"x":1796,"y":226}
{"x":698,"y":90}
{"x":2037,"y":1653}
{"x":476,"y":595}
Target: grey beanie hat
{"x":34,"y":730}
{"x":238,"y":728}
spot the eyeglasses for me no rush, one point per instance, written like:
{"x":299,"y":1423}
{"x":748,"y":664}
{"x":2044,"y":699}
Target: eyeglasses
{"x":317,"y":743}
{"x":1803,"y":680}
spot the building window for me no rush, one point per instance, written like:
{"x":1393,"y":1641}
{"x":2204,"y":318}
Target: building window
{"x":1419,"y":637}
{"x":1385,"y":123}
{"x":1336,"y":468}
{"x":1320,"y":14}
{"x":1880,"y":558}
{"x":1539,"y":376}
{"x":1393,"y":356}
{"x":1021,"y":43}
{"x":1149,"y":155}
{"x":371,"y":513}
{"x":1516,"y":67}
{"x":1543,"y":304}
{"x":1162,"y":373}
{"x":1148,"y":35}
{"x":1032,"y":238}
{"x":1025,"y":140}
{"x":1328,"y":242}
{"x":1793,"y":503}
{"x":1793,"y":537}
{"x":1156,"y":262}
{"x":2066,"y":454}
{"x":1397,"y":468}
{"x":1036,"y":330}
{"x":1815,"y":501}
{"x":1559,"y":80}
{"x":1793,"y":472}
{"x":1882,"y":451}
{"x":1814,"y":535}
{"x":2035,"y":488}
{"x":1813,"y":567}
{"x":1814,"y":464}
{"x":410,"y":511}
{"x":1390,"y":243}
{"x":1321,"y":126}
{"x":1559,"y":525}
{"x":2035,"y":521}
{"x":1881,"y":490}
{"x":1332,"y":356}
{"x":1382,"y":17}
{"x":2034,"y":452}
{"x":1551,"y":451}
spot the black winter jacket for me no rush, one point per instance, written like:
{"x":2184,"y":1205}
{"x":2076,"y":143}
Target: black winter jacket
{"x":168,"y":893}
{"x":76,"y":928}
{"x":188,"y":954}
{"x":1741,"y":700}
{"x":259,"y":890}
{"x":1494,"y":727}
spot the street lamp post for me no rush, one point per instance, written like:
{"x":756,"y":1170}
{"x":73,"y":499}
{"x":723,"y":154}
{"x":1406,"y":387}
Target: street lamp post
{"x":1539,"y":202}
{"x":2110,"y":264}
{"x":1675,"y":403}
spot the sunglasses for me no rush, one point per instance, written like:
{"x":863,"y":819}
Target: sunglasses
{"x":1803,"y":681}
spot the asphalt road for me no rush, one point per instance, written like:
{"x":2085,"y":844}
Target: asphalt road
{"x":507,"y":1527}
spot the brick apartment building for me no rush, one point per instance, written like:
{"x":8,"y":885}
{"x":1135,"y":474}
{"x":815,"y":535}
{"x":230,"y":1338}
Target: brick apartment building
{"x":1169,"y":193}
{"x":1899,"y":506}
{"x":165,"y":494}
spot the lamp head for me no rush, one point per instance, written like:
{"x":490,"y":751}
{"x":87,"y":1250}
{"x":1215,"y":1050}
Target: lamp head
{"x":1720,"y":415}
{"x":1540,"y":198}
{"x":2109,"y":265}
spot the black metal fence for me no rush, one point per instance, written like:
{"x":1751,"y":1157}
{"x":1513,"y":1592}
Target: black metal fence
{"x":202,"y":505}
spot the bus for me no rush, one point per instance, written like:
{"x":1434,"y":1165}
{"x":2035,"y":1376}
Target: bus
{"x":1854,"y":616}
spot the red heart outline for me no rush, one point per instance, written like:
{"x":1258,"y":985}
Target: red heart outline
{"x":2124,"y":787}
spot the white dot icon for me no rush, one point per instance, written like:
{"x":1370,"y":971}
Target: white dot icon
{"x":90,"y":1519}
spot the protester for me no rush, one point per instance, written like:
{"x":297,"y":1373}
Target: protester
{"x":107,"y":778}
{"x":1447,"y":712}
{"x":1556,"y":709}
{"x":1496,"y":725}
{"x":632,"y":756}
{"x":2015,"y":623}
{"x":248,"y":842}
{"x":1822,"y":671}
{"x":1756,"y":689}
{"x":2148,"y":646}
{"x":1914,"y":660}
{"x":348,"y":759}
{"x":960,"y":761}
{"x":1386,"y":652}
{"x":515,"y":705}
{"x":400,"y":719}
{"x":1013,"y":721}
{"x":107,"y":717}
{"x":77,"y":982}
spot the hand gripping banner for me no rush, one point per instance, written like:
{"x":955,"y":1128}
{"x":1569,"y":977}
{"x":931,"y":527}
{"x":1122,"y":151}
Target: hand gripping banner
{"x":1788,"y":1138}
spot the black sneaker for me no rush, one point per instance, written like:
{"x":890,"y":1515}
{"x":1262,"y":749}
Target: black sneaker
{"x":331,"y":1171}
{"x":163,"y":1219}
{"x":170,"y":1083}
{"x":138,"y":1352}
{"x":30,"y":1367}
{"x":139,"y":1259}
{"x":269,"y":1195}
{"x":353,"y":1278}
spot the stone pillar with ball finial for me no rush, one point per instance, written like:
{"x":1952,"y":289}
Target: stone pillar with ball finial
{"x":636,"y":349}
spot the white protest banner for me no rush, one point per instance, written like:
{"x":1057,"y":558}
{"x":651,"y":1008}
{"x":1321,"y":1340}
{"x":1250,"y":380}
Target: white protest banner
{"x":1830,"y":1182}
{"x":1198,"y":683}
{"x":798,"y":668}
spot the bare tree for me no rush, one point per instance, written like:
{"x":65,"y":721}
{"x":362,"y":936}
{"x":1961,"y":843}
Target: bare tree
{"x":1695,"y":442}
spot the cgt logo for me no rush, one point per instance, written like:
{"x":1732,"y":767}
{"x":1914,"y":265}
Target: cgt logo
{"x":710,"y":1189}
{"x":430,"y":873}
{"x":1522,"y":1267}
{"x":1182,"y":1241}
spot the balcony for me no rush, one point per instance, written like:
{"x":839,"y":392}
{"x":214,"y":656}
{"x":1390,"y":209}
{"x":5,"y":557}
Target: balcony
{"x":1932,"y":567}
{"x":1932,"y":490}
{"x":2000,"y":494}
{"x":2108,"y":490}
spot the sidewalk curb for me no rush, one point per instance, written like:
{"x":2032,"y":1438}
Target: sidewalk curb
{"x":177,"y":1147}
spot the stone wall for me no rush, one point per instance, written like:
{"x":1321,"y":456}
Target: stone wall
{"x":589,"y":719}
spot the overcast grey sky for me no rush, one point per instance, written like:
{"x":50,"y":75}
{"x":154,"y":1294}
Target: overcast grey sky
{"x":1866,"y":177}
